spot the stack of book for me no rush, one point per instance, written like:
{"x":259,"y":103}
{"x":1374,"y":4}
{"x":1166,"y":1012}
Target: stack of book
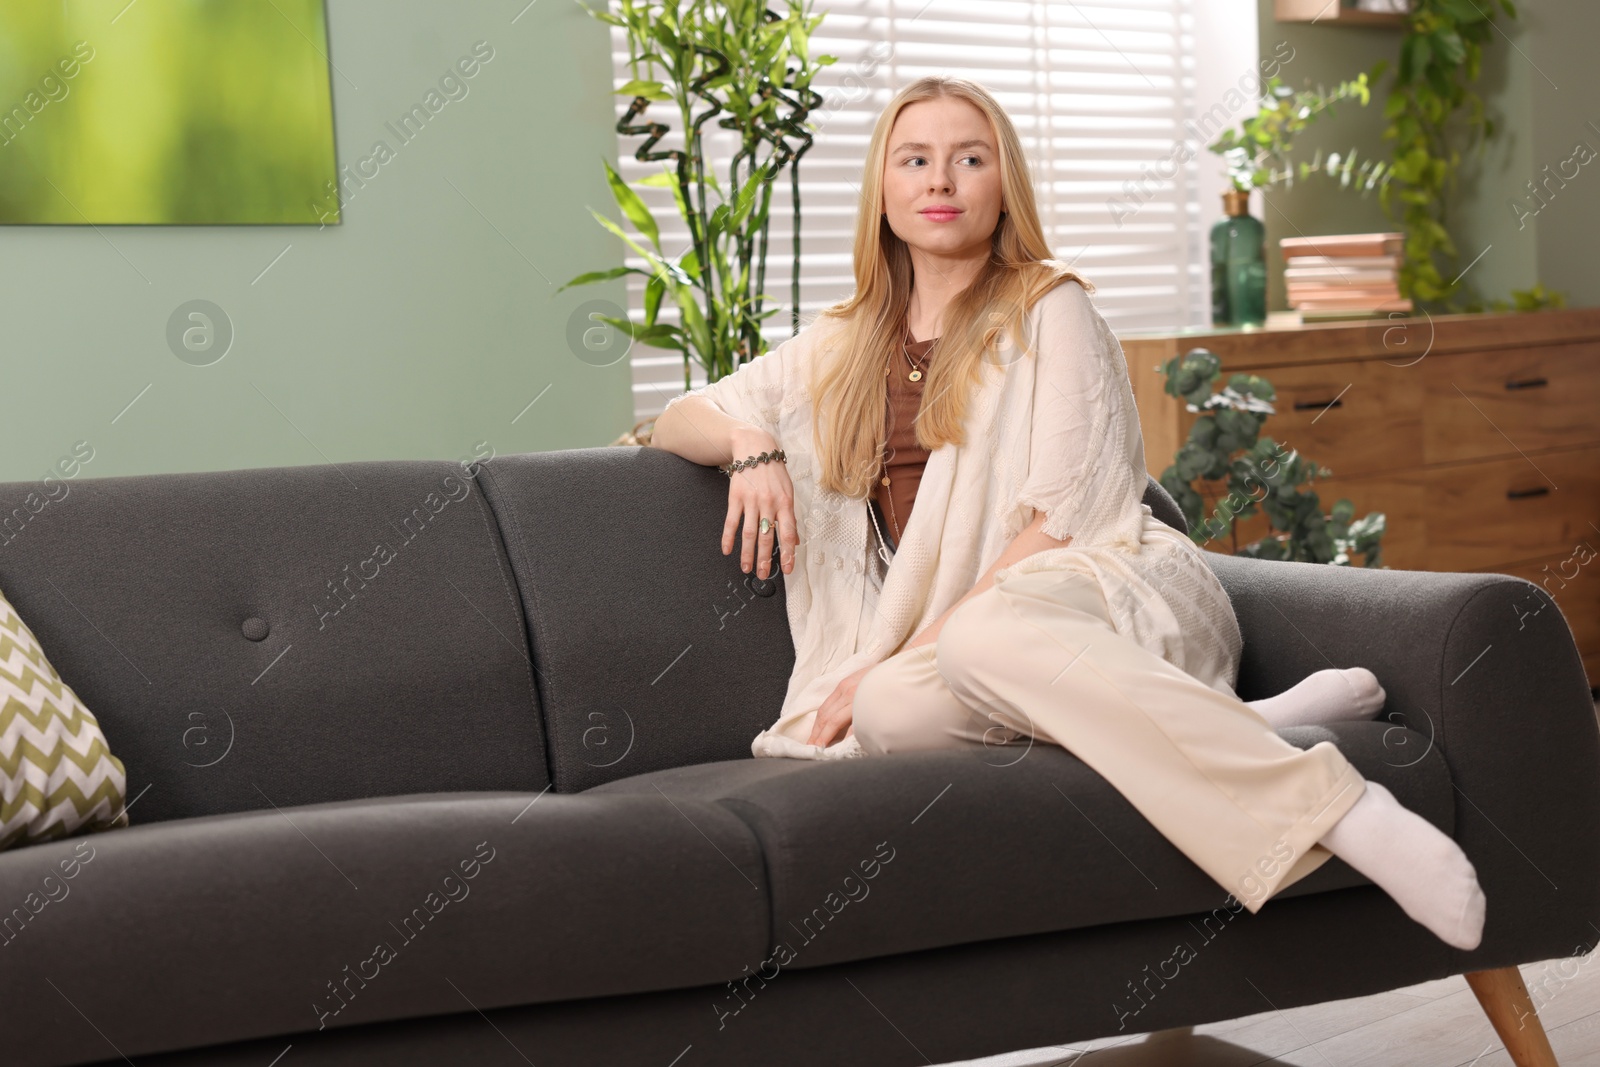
{"x":1344,"y":275}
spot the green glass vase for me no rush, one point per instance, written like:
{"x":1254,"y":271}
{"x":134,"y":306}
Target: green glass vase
{"x":1238,"y":264}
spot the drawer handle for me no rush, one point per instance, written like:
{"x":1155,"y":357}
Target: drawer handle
{"x":1306,"y":405}
{"x":1515,"y":494}
{"x":1528,"y":383}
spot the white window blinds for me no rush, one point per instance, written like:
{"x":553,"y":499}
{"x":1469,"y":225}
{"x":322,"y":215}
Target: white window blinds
{"x":1100,"y":92}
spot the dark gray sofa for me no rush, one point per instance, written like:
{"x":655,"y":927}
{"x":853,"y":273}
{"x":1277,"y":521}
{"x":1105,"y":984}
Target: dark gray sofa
{"x":514,"y":749}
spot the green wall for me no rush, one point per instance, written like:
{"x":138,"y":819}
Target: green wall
{"x":1564,"y":104}
{"x":1543,"y":86}
{"x":422,"y":324}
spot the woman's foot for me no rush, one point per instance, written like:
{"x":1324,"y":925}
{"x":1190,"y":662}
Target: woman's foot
{"x":1413,"y":861}
{"x":1327,"y":696}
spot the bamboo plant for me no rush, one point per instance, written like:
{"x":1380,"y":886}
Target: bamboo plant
{"x":752,"y":67}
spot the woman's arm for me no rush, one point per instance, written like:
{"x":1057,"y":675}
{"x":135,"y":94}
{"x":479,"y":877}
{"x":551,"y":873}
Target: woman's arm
{"x":733,"y":418}
{"x":695,"y":428}
{"x":1032,"y":539}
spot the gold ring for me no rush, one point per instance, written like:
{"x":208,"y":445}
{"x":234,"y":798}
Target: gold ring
{"x":766,"y":525}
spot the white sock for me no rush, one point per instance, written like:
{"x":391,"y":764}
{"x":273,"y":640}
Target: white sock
{"x":1328,"y":695}
{"x":1413,"y":861}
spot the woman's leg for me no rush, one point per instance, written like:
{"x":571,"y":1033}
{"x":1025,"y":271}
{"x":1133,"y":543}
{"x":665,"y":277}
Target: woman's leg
{"x":1332,"y":695}
{"x":1246,"y":806}
{"x":904,"y":705}
{"x":1423,"y":869}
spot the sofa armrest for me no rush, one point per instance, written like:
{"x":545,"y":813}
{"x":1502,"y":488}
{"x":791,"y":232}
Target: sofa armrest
{"x":1485,"y":667}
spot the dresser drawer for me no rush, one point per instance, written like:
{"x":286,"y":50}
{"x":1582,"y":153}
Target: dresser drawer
{"x":1483,"y":404}
{"x":1358,"y":417}
{"x":1481,"y":515}
{"x":1570,"y":581}
{"x":1473,"y":517}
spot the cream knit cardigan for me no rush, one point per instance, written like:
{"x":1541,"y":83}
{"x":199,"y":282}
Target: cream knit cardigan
{"x":1054,"y":430}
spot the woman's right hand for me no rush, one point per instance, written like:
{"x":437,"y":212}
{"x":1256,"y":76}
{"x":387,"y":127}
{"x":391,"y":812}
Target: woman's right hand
{"x":763,"y":490}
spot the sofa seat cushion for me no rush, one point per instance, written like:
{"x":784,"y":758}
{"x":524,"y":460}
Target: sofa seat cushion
{"x":278,"y":922}
{"x":875,"y":856}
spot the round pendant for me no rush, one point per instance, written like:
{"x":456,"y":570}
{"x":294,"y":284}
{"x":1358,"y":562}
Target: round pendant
{"x":915,"y":376}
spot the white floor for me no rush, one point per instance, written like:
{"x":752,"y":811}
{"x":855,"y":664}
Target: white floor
{"x":1436,"y":1024}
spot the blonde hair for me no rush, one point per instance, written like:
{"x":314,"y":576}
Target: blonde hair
{"x":850,"y":390}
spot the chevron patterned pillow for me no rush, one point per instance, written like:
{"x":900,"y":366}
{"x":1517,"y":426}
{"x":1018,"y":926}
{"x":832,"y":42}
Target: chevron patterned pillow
{"x":57,"y":776}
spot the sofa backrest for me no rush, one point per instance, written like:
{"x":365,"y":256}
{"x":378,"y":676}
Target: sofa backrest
{"x":282,"y":636}
{"x":1163,"y":506}
{"x":654,"y":649}
{"x":292,"y":635}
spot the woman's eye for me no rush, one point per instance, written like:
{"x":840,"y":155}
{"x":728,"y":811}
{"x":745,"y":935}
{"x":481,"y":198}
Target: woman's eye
{"x":914,"y":159}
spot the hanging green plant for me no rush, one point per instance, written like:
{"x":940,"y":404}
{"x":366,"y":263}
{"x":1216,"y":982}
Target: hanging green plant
{"x":753,"y":67}
{"x":1433,"y":116}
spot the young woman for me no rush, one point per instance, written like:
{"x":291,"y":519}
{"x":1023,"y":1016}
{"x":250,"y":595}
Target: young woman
{"x":1029,"y":595}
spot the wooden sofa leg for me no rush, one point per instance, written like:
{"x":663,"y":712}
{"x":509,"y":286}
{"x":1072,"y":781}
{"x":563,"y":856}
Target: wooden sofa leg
{"x":1505,"y":1001}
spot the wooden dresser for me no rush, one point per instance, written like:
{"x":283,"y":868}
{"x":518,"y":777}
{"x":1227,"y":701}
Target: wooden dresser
{"x":1478,"y":436}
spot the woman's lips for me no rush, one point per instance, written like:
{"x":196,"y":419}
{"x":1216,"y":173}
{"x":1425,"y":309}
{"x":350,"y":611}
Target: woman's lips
{"x":941,"y":216}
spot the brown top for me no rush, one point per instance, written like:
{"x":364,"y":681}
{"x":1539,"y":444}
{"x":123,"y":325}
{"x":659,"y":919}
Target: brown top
{"x":906,"y":458}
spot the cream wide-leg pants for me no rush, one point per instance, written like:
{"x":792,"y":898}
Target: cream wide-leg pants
{"x":1036,"y":659}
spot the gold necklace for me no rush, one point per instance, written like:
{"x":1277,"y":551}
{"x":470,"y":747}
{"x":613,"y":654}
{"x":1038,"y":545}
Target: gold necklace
{"x":914,"y":376}
{"x":916,"y":371}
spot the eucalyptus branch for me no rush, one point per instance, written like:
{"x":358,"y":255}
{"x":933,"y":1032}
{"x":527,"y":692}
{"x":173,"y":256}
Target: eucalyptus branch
{"x":1225,"y":445}
{"x":1257,"y":153}
{"x":1371,"y":174}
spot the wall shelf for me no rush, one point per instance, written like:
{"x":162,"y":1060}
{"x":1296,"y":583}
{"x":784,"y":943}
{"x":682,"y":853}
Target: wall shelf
{"x":1331,"y":13}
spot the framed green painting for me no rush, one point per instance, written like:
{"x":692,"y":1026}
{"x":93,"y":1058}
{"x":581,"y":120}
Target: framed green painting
{"x":166,"y":112}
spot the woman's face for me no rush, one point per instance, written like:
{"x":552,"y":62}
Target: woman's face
{"x":942,"y":154}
